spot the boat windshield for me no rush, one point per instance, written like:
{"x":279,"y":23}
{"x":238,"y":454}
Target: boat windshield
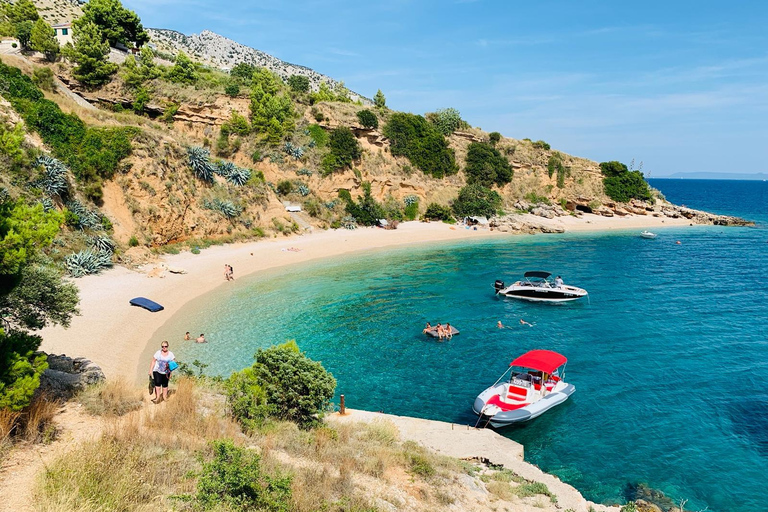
{"x":522,"y":378}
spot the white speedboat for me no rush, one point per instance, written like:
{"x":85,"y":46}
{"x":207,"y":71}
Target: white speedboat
{"x":538,"y":286}
{"x":648,"y":234}
{"x":535,"y":385}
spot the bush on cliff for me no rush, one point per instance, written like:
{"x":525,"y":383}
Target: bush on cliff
{"x":623,"y":185}
{"x":486,"y":166}
{"x":344,"y":149}
{"x":418,"y":140}
{"x":285,"y":384}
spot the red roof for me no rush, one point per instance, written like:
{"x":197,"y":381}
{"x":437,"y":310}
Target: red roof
{"x":542,"y":360}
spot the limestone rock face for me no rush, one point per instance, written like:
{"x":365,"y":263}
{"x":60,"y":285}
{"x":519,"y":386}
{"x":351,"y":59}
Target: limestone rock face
{"x":67,"y":376}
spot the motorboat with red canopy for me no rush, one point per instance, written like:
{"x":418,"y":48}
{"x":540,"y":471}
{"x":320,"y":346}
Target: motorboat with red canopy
{"x":538,"y":286}
{"x":534,"y":386}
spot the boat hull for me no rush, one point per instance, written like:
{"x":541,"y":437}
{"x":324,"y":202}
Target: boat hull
{"x":522,"y":414}
{"x":541,"y":294}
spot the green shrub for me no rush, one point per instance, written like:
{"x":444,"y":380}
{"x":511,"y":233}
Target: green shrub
{"x":623,"y":185}
{"x":447,"y":120}
{"x":246,"y":399}
{"x":234,"y":478}
{"x":540,"y":144}
{"x":133,"y":242}
{"x":344,"y":149}
{"x":232,"y":89}
{"x":494,"y":137}
{"x":555,"y":165}
{"x":169,"y":112}
{"x":366,"y":211}
{"x":368,"y":119}
{"x":475,"y":200}
{"x":411,"y":211}
{"x":532,"y":489}
{"x":345,"y":195}
{"x":43,"y":78}
{"x":414,"y":137}
{"x":297,"y":389}
{"x":486,"y":166}
{"x":183,"y":70}
{"x":318,"y":135}
{"x":438,"y":212}
{"x":284,"y":187}
{"x":298,"y":83}
{"x":243,"y":70}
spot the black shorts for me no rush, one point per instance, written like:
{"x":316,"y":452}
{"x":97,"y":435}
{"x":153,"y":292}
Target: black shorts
{"x":161,"y":379}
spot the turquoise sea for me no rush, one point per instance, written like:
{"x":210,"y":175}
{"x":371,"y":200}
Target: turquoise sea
{"x":669,"y":355}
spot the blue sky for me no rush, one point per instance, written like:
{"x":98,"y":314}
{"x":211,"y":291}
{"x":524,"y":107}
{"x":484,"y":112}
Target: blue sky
{"x":679,"y":85}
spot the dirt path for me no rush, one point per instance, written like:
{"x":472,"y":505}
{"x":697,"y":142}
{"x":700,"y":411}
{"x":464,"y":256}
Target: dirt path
{"x":19,"y":471}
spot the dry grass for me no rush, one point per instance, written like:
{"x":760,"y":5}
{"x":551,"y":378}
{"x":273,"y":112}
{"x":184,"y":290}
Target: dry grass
{"x":112,"y":398}
{"x":33,"y":424}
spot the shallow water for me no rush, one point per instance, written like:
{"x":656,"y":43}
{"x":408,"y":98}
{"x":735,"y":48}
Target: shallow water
{"x":668,"y":355}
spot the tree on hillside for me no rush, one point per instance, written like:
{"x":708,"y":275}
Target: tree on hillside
{"x":486,"y":166}
{"x":623,"y":185}
{"x":272,"y":113}
{"x":43,"y":40}
{"x":32,"y":295}
{"x":476,"y":199}
{"x":90,"y":54}
{"x":24,"y":32}
{"x":344,"y":150}
{"x":379,"y":100}
{"x":183,"y":70}
{"x":447,"y":120}
{"x":243,"y":70}
{"x":414,"y":137}
{"x":368,"y":119}
{"x":136,"y":73}
{"x":21,"y":10}
{"x":298,"y":83}
{"x":613,"y":168}
{"x":116,"y":23}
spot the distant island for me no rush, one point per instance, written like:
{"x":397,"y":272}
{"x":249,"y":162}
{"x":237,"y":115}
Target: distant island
{"x":715,"y":176}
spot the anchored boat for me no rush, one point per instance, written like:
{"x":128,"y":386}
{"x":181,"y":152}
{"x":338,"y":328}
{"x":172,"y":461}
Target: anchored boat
{"x":647,"y":234}
{"x":535,"y":385}
{"x":538,"y":286}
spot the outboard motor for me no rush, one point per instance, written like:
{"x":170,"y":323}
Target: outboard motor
{"x":498,"y":285}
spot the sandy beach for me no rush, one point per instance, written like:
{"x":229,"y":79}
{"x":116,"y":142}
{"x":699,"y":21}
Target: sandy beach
{"x":114,"y":334}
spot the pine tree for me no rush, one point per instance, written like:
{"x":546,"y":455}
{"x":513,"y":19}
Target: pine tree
{"x":379,"y":100}
{"x":116,"y":23}
{"x":90,"y":54}
{"x":183,"y":71}
{"x":43,"y":40}
{"x":21,"y":10}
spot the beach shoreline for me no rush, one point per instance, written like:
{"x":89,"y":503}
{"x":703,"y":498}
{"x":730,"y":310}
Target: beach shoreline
{"x":116,"y":336}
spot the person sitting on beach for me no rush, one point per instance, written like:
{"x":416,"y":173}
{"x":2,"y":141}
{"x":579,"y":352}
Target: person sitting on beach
{"x":427,"y":328}
{"x":448,"y":331}
{"x":186,"y":336}
{"x":559,"y":282}
{"x":201,"y":338}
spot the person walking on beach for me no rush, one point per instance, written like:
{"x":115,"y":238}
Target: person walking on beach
{"x":160,"y":372}
{"x":228,"y":272}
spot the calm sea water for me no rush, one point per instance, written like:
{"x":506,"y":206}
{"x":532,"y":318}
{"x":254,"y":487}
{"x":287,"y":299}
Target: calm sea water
{"x":669,"y":355}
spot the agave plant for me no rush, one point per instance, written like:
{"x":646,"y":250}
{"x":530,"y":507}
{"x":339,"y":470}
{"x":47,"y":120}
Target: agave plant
{"x":47,"y":203}
{"x":303,"y":190}
{"x":87,"y":262}
{"x":200,"y":162}
{"x":86,"y":218}
{"x":293,"y":150}
{"x":331,"y":204}
{"x":224,"y":168}
{"x":304,"y":172}
{"x":409,"y":200}
{"x":54,"y":183}
{"x":239,"y":176}
{"x":227,"y":208}
{"x":349,"y":222}
{"x":102,"y":244}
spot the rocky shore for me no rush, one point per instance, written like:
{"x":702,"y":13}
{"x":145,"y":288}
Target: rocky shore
{"x":531,"y":223}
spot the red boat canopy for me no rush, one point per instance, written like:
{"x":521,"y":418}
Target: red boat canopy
{"x":542,"y":360}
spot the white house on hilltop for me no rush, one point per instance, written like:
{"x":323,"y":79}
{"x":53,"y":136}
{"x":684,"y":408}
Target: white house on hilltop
{"x":63,"y":33}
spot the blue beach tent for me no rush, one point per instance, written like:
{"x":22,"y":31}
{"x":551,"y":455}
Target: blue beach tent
{"x":146,"y":304}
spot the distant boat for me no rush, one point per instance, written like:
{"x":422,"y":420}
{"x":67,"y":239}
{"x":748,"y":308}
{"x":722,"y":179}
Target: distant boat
{"x":648,"y":234}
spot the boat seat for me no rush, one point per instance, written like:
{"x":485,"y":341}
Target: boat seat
{"x":504,"y":406}
{"x":517,"y":393}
